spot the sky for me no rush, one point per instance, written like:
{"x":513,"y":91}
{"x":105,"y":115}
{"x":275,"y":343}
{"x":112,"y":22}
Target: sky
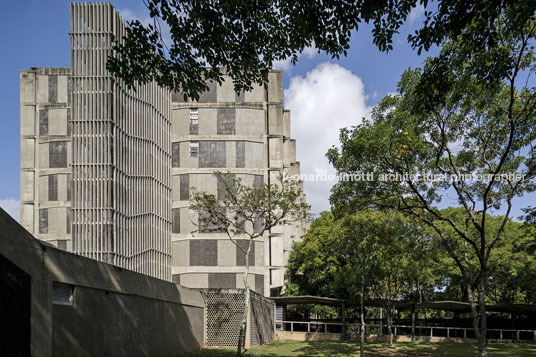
{"x":323,"y":94}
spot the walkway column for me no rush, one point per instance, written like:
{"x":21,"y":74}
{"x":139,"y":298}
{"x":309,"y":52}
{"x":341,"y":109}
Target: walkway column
{"x":343,"y":317}
{"x":413,"y":322}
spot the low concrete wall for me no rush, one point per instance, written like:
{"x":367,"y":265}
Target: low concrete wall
{"x":307,"y":336}
{"x":114,"y":311}
{"x":322,"y":336}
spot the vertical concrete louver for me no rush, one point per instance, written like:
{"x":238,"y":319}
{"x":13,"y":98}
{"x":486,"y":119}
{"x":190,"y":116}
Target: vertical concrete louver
{"x":121,"y":196}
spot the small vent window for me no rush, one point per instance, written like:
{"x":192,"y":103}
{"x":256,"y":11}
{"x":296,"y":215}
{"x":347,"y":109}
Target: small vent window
{"x":194,"y":149}
{"x":194,"y":116}
{"x":62,"y":294}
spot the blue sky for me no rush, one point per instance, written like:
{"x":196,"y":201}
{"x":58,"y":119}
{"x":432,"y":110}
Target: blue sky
{"x":323,"y":94}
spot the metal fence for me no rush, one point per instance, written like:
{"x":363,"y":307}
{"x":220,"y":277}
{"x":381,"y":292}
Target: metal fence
{"x":224,"y":311}
{"x":405,"y":330}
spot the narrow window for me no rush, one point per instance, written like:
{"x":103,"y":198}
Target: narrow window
{"x":194,"y":149}
{"x":194,"y":116}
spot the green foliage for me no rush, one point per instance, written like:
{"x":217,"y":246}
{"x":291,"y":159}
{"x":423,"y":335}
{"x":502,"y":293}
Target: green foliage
{"x":245,"y":38}
{"x":248,"y":210}
{"x":385,"y":251}
{"x":461,"y":127}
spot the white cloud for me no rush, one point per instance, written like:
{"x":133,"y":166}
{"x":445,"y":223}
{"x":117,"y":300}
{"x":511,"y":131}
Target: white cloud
{"x":328,"y":98}
{"x":285,"y":64}
{"x":11,"y":206}
{"x":416,"y":13}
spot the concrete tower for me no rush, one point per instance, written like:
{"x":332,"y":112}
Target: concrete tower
{"x":248,"y":135}
{"x":106,"y":172}
{"x":95,"y":155}
{"x":121,"y":153}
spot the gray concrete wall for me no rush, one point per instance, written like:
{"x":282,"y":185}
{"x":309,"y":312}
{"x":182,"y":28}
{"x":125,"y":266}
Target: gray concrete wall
{"x":45,"y":131}
{"x":247,"y":135}
{"x":114,"y":311}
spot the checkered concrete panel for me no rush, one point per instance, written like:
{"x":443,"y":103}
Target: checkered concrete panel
{"x":226,"y":121}
{"x":57,"y":151}
{"x":212,"y":154}
{"x":43,"y":122}
{"x":203,"y":252}
{"x":175,"y":155}
{"x":241,"y":256}
{"x":240,"y":154}
{"x":176,"y":220}
{"x":222,"y":280}
{"x":184,"y":187}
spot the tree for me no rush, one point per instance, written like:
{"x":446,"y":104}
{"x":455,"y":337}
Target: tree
{"x":455,"y":135}
{"x":248,"y":211}
{"x":357,"y":255}
{"x":245,"y":38}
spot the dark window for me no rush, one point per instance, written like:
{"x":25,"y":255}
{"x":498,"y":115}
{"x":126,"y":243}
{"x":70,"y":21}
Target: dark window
{"x":52,"y":187}
{"x":185,"y":187}
{"x":203,"y":252}
{"x":175,"y":155}
{"x":43,"y":122}
{"x":259,"y":284}
{"x":43,"y":220}
{"x":241,"y":256}
{"x":57,"y":154}
{"x":208,"y":227}
{"x":224,"y":182}
{"x":222,"y":281}
{"x":176,"y":223}
{"x":69,"y":184}
{"x":212,"y":153}
{"x":52,"y":89}
{"x":240,"y":154}
{"x":226,"y":121}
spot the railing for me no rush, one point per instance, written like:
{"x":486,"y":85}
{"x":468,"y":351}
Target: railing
{"x":405,"y":330}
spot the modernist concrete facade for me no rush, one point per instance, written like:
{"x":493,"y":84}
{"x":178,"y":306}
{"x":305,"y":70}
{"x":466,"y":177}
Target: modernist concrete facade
{"x":96,"y":156}
{"x":247,"y":135}
{"x":107,"y":173}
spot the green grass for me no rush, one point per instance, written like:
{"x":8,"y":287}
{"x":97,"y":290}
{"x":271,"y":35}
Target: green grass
{"x":404,"y":349}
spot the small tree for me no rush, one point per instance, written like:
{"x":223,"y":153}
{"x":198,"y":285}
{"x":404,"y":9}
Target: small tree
{"x":249,"y":211}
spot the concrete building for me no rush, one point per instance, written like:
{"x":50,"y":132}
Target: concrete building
{"x":107,"y":172}
{"x":96,"y":156}
{"x":247,"y":135}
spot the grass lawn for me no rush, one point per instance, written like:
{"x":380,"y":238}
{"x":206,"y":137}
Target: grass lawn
{"x":413,"y":349}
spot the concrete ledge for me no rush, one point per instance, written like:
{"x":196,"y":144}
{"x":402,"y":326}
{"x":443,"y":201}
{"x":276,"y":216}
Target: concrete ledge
{"x":321,"y":336}
{"x":306,"y":336}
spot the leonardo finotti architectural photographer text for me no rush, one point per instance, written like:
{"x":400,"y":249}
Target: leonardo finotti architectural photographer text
{"x":384,"y":177}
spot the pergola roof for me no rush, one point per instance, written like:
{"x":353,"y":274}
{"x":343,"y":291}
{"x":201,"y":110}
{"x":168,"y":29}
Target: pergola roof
{"x":456,"y":306}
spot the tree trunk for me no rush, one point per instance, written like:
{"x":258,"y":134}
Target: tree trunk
{"x":478,"y":310}
{"x":243,"y":324}
{"x":362,"y":317}
{"x":412,"y":322}
{"x":482,"y":340}
{"x":389,"y":322}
